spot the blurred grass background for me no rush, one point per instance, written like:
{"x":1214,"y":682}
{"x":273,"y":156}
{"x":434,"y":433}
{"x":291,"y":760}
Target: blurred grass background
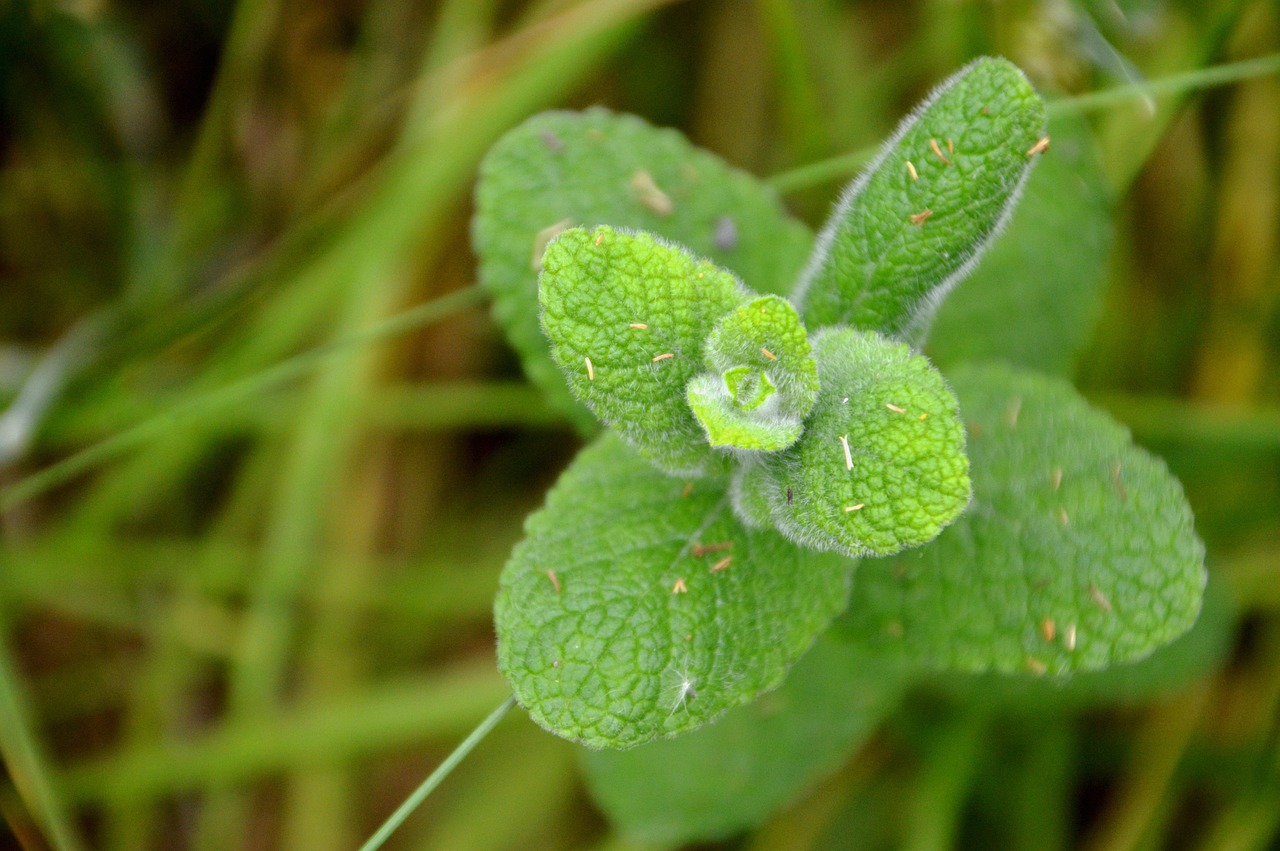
{"x":263,"y":453}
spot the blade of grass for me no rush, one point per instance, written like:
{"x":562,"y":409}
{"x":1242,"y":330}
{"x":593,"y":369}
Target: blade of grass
{"x":434,"y":779}
{"x":392,"y":715}
{"x":25,"y":759}
{"x":232,"y":394}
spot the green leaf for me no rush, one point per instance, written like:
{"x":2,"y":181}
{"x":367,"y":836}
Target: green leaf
{"x":637,"y":607}
{"x":1029,"y":302}
{"x":881,"y":465}
{"x":732,"y":775}
{"x":627,"y":317}
{"x":916,"y":221}
{"x":563,"y":169}
{"x":1172,"y":667}
{"x":764,"y":379}
{"x":1078,"y":553}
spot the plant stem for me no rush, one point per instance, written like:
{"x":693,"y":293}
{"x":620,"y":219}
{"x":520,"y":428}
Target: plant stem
{"x":1189,"y":81}
{"x":844,"y":165}
{"x":428,"y":786}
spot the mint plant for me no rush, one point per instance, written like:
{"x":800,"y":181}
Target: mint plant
{"x":779,"y":454}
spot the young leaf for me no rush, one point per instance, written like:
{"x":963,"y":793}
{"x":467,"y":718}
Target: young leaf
{"x":1035,"y":303}
{"x":916,"y":221}
{"x":1078,"y":553}
{"x":881,"y":465}
{"x":732,"y":775}
{"x":763,"y":378}
{"x":637,"y":608}
{"x":627,"y":317}
{"x":562,"y":169}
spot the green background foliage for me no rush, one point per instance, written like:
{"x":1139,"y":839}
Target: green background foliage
{"x":257,"y":482}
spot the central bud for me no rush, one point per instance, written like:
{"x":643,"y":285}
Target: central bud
{"x":761,"y":379}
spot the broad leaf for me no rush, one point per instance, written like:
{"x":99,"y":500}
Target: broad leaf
{"x":763,"y":378}
{"x":732,"y":775}
{"x":638,"y":607}
{"x":881,"y":465}
{"x":627,"y":317}
{"x":1195,"y":654}
{"x":1029,"y":302}
{"x":1078,"y":552}
{"x":562,"y":169}
{"x":916,"y":221}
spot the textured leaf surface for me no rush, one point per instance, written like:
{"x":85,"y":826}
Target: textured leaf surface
{"x":1029,"y":302}
{"x":732,"y":775}
{"x":1077,"y":553}
{"x":662,"y":611}
{"x":627,"y":317}
{"x":1195,"y":654}
{"x":561,"y":169}
{"x":915,"y":222}
{"x":881,"y":465}
{"x":763,"y":378}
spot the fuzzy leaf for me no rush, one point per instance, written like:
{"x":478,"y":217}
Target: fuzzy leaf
{"x":662,"y":611}
{"x":563,"y":169}
{"x":763,"y":378}
{"x":1192,"y":656}
{"x":734,"y":774}
{"x":900,"y":239}
{"x":627,"y":317}
{"x":1078,"y":552}
{"x":881,"y":465}
{"x":1043,"y":300}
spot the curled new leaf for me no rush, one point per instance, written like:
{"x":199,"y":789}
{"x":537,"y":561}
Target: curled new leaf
{"x":763,"y":378}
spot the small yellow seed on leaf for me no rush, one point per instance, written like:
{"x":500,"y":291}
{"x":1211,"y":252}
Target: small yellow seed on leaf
{"x":721,"y":564}
{"x":1069,"y":638}
{"x":555,"y":583}
{"x":543,"y":238}
{"x":857,"y":507}
{"x":1099,"y":598}
{"x":679,"y":587}
{"x":648,"y":193}
{"x":911,"y":170}
{"x":663,"y":357}
{"x":848,"y":458}
{"x":1039,"y":147}
{"x":640,"y":326}
{"x":1048,"y":629}
{"x":770,"y":355}
{"x":895,"y":408}
{"x":933,"y":143}
{"x":1055,"y":478}
{"x":918,"y":219}
{"x":591,"y":370}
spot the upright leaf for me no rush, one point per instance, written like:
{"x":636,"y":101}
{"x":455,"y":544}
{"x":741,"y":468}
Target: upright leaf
{"x":881,"y":465}
{"x":732,"y":775}
{"x":1078,"y":552}
{"x":627,"y":317}
{"x":638,"y":607}
{"x":916,"y":221}
{"x":1031,"y":303}
{"x":562,"y":169}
